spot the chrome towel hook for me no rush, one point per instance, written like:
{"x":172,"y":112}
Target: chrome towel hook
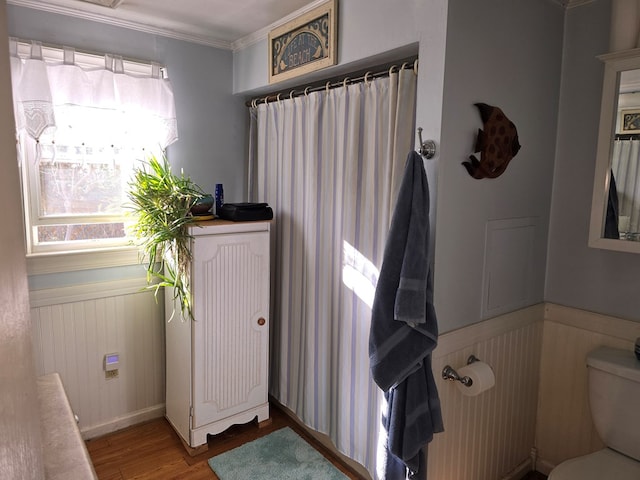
{"x":449,"y":373}
{"x":427,"y":148}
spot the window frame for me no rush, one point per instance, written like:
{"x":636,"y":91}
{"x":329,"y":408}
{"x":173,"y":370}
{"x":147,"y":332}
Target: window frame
{"x":33,"y":218}
{"x":64,"y":256}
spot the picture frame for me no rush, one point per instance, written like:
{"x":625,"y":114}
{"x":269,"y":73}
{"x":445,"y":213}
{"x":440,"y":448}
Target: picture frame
{"x":304,"y":44}
{"x":630,"y":121}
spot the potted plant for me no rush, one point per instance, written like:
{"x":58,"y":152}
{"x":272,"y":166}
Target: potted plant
{"x":162,"y":203}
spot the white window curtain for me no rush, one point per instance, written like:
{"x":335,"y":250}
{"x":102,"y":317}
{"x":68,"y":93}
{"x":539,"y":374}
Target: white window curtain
{"x":330,"y":164}
{"x":57,"y":98}
{"x":626,"y":172}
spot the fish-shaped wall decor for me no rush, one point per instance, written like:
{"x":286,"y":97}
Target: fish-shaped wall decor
{"x":497,"y":143}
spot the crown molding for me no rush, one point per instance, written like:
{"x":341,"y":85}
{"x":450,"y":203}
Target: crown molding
{"x":105,"y":3}
{"x":129,"y":24}
{"x":572,"y":3}
{"x":202,"y":39}
{"x":263,"y":33}
{"x":577,"y":3}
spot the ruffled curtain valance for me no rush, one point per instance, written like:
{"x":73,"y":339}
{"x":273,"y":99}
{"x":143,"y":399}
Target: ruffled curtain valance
{"x":64,"y":98}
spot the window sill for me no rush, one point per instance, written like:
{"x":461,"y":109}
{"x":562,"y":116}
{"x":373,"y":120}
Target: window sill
{"x":43,"y":263}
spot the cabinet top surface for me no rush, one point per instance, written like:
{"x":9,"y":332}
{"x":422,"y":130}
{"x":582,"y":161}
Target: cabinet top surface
{"x":218,"y":226}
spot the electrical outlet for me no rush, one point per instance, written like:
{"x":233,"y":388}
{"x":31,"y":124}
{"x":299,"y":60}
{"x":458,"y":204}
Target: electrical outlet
{"x":111,"y":374}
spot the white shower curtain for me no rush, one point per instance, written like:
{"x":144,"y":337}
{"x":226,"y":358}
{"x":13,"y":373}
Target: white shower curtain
{"x":626,"y":172}
{"x":330,"y":163}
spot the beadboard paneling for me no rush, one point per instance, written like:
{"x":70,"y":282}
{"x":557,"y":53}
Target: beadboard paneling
{"x":73,"y":330}
{"x":486,"y":437}
{"x":565,"y":429}
{"x":489,"y":436}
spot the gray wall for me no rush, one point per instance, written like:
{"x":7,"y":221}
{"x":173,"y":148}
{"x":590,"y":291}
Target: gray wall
{"x":508,"y":54}
{"x":211,"y":120}
{"x":502,"y":52}
{"x":368,"y":30}
{"x":578,"y":276}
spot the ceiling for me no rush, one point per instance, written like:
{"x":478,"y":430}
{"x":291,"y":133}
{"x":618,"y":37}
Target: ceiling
{"x":226,"y":24}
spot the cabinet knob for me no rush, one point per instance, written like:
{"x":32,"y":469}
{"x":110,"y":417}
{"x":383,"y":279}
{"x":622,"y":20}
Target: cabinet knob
{"x":261,"y":321}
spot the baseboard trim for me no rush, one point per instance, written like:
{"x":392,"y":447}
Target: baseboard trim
{"x":544,"y":467}
{"x":118,"y":423}
{"x":520,"y":471}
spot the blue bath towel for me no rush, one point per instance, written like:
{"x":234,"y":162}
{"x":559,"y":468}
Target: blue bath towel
{"x":404,"y":329}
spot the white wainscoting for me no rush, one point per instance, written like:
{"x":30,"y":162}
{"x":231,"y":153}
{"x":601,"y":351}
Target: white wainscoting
{"x":490,"y":436}
{"x":74,"y":327}
{"x":564,"y":428}
{"x":537,"y":353}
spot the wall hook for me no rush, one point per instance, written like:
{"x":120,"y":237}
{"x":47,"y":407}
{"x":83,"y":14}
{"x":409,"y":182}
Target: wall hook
{"x":427,"y":148}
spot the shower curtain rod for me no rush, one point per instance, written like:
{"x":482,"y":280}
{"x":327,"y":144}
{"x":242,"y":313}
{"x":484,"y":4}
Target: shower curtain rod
{"x":627,"y":136}
{"x":329,"y":85}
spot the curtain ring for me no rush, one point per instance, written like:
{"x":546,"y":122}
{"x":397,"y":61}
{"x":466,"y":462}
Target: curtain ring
{"x":266,"y":100}
{"x":253,"y":103}
{"x":291,"y":94}
{"x":306,"y":91}
{"x":345,"y":81}
{"x":404,"y":65}
{"x":366,"y":78}
{"x":415,"y":66}
{"x":391,"y":69}
{"x":278,"y":97}
{"x":328,"y":86}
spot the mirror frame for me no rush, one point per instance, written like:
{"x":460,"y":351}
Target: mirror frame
{"x":614,"y":64}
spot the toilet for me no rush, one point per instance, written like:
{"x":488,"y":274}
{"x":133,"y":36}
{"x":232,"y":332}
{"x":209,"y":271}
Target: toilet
{"x":614,"y":398}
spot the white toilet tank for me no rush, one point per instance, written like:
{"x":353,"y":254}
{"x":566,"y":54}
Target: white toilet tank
{"x":614,"y":398}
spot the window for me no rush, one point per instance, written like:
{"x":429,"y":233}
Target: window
{"x":82,"y":128}
{"x":74,"y":195}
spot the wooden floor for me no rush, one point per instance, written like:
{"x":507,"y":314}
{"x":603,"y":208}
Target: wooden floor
{"x":154,"y":451}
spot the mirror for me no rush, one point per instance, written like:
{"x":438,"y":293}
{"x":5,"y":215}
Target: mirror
{"x":615,"y":208}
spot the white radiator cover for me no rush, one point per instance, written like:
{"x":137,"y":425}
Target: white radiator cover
{"x":234,"y":349}
{"x":217,"y":364}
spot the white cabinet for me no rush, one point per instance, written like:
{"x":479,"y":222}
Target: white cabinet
{"x":217,"y":364}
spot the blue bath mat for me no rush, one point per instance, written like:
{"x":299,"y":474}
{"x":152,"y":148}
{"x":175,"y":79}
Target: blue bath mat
{"x":281,"y":455}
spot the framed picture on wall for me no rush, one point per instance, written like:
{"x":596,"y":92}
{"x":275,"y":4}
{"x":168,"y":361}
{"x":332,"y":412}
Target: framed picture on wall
{"x":630,"y":121}
{"x":305,"y":44}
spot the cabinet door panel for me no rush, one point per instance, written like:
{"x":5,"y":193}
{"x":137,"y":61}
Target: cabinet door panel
{"x":230,"y":331}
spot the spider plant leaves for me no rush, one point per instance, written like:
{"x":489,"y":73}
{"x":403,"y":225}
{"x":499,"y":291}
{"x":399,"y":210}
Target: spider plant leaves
{"x":161,"y":202}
